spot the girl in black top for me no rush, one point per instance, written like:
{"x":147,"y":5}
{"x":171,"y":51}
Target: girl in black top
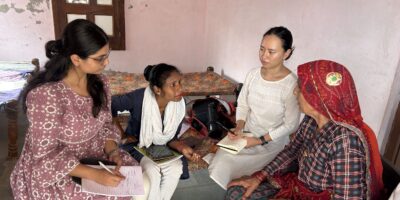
{"x":156,"y":114}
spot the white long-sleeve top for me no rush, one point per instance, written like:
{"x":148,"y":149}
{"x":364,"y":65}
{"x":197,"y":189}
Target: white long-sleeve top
{"x":268,"y":106}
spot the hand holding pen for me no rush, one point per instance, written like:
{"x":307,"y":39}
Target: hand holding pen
{"x":231,"y":134}
{"x":105,"y":167}
{"x":109,"y":177}
{"x":226,"y":129}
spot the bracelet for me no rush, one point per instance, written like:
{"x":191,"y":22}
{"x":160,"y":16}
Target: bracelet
{"x":264,"y":176}
{"x":263,"y":141}
{"x":109,"y":154}
{"x":259,"y":175}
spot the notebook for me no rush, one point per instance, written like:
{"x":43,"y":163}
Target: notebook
{"x":159,"y":152}
{"x":159,"y":155}
{"x":232,"y":146}
{"x":132,"y":185}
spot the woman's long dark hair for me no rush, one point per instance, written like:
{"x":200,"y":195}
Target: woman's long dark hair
{"x":80,"y":37}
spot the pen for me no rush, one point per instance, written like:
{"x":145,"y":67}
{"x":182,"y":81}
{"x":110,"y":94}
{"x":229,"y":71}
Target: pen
{"x":226,"y":129}
{"x":105,"y":167}
{"x":232,"y":149}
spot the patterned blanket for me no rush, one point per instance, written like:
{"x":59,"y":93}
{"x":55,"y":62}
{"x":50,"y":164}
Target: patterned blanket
{"x":193,"y":84}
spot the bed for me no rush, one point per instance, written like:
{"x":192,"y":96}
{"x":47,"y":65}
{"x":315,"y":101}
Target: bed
{"x":193,"y":84}
{"x":13,"y":76}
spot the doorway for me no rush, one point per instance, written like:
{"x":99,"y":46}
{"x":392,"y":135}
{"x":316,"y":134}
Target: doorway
{"x":392,"y":151}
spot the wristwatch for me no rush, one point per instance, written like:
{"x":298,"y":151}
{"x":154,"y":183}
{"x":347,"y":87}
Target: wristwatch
{"x":263,"y":141}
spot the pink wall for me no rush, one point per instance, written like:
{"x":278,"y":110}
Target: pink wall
{"x":226,"y":34}
{"x":25,"y":26}
{"x":363,"y":36}
{"x":170,"y":31}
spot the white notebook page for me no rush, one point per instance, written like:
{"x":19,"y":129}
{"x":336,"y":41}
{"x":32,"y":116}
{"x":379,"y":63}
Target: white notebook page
{"x":131,"y":186}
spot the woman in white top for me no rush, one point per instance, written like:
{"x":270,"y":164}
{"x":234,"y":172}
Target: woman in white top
{"x":266,"y":108}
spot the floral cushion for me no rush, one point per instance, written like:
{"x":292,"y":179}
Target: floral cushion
{"x":193,"y":84}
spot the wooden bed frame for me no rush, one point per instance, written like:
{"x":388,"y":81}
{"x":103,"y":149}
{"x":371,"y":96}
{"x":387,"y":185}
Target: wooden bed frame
{"x":11,"y":108}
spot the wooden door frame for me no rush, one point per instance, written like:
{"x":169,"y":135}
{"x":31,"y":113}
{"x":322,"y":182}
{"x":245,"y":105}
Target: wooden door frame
{"x":392,"y":150}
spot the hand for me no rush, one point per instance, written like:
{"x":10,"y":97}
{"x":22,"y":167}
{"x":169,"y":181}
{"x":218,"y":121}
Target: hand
{"x":235,"y":136}
{"x":249,"y":183}
{"x":190,"y":154}
{"x":111,"y":150}
{"x":116,"y":157}
{"x":238,"y":130}
{"x":239,"y":127}
{"x":104,"y":177}
{"x":252,"y":141}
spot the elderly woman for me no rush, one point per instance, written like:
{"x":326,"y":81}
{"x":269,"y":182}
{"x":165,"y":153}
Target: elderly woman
{"x":335,"y":154}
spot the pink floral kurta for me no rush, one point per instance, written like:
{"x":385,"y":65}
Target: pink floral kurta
{"x":62,"y":130}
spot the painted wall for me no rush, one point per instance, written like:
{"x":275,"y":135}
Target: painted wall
{"x":170,"y":31}
{"x":25,"y":26}
{"x":362,"y":35}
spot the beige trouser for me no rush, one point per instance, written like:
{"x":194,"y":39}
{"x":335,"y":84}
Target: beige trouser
{"x":163,"y":179}
{"x":146,"y":184}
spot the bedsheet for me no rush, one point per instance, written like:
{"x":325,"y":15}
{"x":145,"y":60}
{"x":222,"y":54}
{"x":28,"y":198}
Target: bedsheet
{"x":193,"y":84}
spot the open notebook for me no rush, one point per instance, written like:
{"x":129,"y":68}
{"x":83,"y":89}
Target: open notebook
{"x":233,"y":146}
{"x":132,"y":185}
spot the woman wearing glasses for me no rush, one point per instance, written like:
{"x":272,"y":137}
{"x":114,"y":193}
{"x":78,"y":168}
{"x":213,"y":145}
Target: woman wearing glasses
{"x":68,"y":108}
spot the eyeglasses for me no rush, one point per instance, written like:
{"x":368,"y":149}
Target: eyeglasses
{"x":102,"y":58}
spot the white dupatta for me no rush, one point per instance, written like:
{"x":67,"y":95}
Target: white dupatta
{"x":151,"y":130}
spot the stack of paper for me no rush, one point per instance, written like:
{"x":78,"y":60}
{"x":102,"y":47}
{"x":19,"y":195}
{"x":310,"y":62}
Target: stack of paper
{"x":132,"y":185}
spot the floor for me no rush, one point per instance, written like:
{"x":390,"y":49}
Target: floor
{"x":6,"y":166}
{"x":198,"y":187}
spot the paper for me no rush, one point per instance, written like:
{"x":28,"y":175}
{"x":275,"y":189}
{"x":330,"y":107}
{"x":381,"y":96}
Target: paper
{"x":208,"y":158}
{"x":232,"y":146}
{"x":160,"y":162}
{"x":131,"y":186}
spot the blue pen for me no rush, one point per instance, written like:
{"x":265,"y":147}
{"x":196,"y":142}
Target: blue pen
{"x":105,"y":167}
